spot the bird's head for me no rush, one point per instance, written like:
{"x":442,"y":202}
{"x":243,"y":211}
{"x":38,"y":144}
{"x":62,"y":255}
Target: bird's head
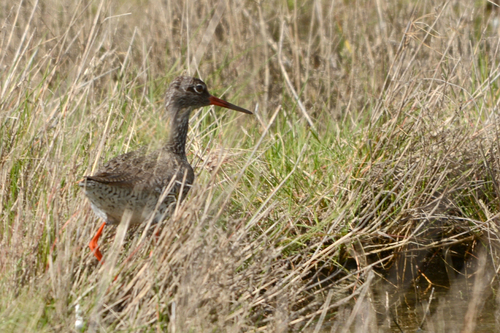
{"x":188,"y":93}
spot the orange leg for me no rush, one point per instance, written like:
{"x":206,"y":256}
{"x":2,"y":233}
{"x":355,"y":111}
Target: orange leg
{"x":157,"y":237}
{"x":93,"y":243}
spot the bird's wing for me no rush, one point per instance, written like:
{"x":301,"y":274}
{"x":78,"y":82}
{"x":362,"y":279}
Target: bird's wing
{"x":151,"y":172}
{"x":125,"y":160}
{"x":116,"y":179}
{"x":127,"y":170}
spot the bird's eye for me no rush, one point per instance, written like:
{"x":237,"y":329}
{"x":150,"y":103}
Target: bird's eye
{"x":199,"y":88}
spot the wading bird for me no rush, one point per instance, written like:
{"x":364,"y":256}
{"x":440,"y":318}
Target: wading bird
{"x":147,"y":185}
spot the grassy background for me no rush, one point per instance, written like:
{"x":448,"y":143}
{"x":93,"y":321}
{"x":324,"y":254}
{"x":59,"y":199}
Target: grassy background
{"x":361,"y":196}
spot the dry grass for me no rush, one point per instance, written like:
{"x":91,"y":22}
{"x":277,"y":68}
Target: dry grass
{"x":362,"y":196}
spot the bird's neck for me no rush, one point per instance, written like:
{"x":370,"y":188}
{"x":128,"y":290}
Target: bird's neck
{"x":176,"y":142}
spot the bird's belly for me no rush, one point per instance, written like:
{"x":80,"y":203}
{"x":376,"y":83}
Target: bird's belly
{"x":116,"y":204}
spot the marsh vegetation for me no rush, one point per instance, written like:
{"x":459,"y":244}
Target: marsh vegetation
{"x":363,"y":195}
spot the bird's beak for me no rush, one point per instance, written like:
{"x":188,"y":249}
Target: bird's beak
{"x":220,"y":102}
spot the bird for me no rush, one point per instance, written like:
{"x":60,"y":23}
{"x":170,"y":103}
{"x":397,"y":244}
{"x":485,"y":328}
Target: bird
{"x":149,"y":185}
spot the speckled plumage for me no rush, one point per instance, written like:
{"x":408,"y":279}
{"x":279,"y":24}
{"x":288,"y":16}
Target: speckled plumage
{"x":135,"y":181}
